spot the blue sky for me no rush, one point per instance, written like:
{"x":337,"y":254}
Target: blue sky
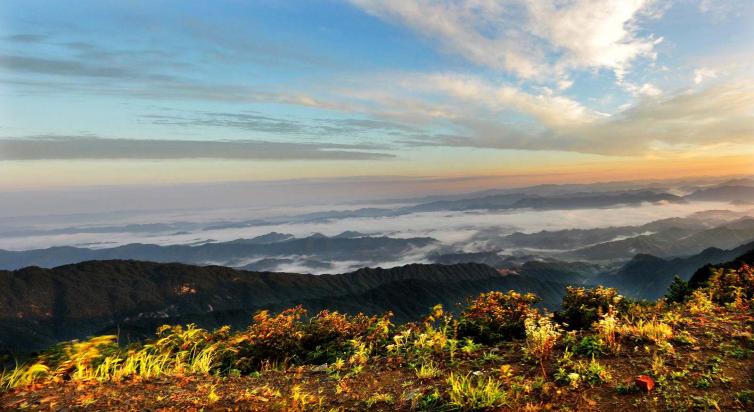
{"x":113,"y":92}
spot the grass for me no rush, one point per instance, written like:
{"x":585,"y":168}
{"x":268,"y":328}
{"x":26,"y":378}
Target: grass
{"x":428,"y":371}
{"x":384,"y":398}
{"x":23,"y":375}
{"x":652,"y":330}
{"x":469,"y":392}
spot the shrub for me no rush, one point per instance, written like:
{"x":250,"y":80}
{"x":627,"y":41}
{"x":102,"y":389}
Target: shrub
{"x":327,"y":335}
{"x":428,"y":402}
{"x":590,"y":346}
{"x":541,"y":336}
{"x":625,"y":389}
{"x":270,"y":339}
{"x":573,"y":373}
{"x":593,"y":372}
{"x":582,"y":307}
{"x":495,"y":316}
{"x":732,"y":286}
{"x":607,"y":328}
{"x":700,"y":302}
{"x":417,"y":343}
{"x":468,"y":392}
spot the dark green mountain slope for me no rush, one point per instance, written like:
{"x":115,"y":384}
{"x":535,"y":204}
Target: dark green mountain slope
{"x":39,"y":307}
{"x":648,"y":277}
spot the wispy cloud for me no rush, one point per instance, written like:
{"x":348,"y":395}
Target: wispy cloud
{"x":720,"y":114}
{"x":254,"y":121}
{"x":62,"y":67}
{"x":84,"y":147}
{"x":26,"y":38}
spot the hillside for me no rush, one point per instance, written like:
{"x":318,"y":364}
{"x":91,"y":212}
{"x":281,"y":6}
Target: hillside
{"x":599,"y":352}
{"x":647,"y":277}
{"x":39,"y":307}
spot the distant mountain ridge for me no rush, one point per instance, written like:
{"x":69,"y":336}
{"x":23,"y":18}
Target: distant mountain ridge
{"x":348,"y":246}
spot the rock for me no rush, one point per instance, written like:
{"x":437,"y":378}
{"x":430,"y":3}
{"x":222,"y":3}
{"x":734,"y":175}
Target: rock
{"x":320,"y":368}
{"x":644,"y":383}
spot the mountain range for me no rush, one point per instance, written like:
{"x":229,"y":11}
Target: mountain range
{"x":239,"y":252}
{"x":665,"y":238}
{"x":40,"y":306}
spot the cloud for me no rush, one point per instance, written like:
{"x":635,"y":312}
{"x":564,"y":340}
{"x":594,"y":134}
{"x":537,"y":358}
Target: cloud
{"x":550,"y":109}
{"x":646,"y":89}
{"x":255,"y":121}
{"x":529,"y":38}
{"x":718,"y":115}
{"x":61,"y":67}
{"x":702,"y":74}
{"x":93,"y":148}
{"x":243,"y":121}
{"x":26,"y":38}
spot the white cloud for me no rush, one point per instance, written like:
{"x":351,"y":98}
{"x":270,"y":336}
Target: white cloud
{"x":548,"y":108}
{"x":720,"y":9}
{"x":564,"y":84}
{"x":530,"y":38}
{"x":646,"y":89}
{"x":702,"y":74}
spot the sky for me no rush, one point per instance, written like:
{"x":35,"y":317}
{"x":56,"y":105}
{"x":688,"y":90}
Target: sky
{"x":467,"y":94}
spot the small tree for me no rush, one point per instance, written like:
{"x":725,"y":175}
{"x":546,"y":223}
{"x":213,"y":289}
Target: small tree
{"x":678,"y":290}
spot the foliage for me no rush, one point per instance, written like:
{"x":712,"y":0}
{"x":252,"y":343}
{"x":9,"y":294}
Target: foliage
{"x":418,"y":343}
{"x":428,"y":371}
{"x":469,"y":392}
{"x":327,"y":335}
{"x":700,"y":302}
{"x":582,"y":307}
{"x":678,"y":290}
{"x":286,"y":338}
{"x":270,"y":339}
{"x":541,"y":336}
{"x":368,"y":363}
{"x":495,"y":316}
{"x":732,"y":286}
{"x":745,"y":397}
{"x":385,"y":398}
{"x":590,"y":345}
{"x":573,"y":373}
{"x":653,"y":331}
{"x":607,"y":328}
{"x":23,"y":376}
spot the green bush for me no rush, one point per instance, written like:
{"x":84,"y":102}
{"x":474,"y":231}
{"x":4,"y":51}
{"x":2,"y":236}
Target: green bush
{"x":590,"y":346}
